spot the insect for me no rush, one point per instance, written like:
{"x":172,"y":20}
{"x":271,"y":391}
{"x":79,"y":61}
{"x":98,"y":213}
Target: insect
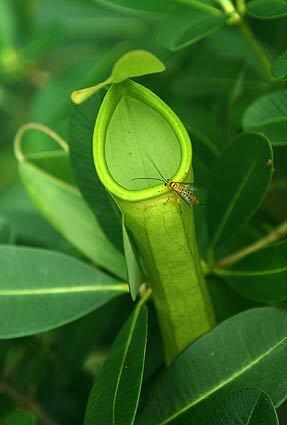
{"x":184,"y":190}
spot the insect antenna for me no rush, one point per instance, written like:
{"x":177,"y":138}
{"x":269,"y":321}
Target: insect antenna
{"x":148,"y":178}
{"x":162,"y":176}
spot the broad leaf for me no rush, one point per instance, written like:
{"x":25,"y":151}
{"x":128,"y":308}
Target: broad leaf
{"x":248,"y":406}
{"x":268,"y":114}
{"x":249,"y":347}
{"x":132,"y":64}
{"x":18,"y":418}
{"x":267,"y":9}
{"x":279,"y":67}
{"x":186,"y":26}
{"x":41,"y":290}
{"x":237,"y":185}
{"x":135,"y":276}
{"x":115,"y":394}
{"x":81,"y":147}
{"x":261,"y":276}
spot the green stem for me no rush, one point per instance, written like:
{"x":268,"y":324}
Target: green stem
{"x":249,"y":36}
{"x":227,"y":6}
{"x":240,"y":6}
{"x":277,"y":234}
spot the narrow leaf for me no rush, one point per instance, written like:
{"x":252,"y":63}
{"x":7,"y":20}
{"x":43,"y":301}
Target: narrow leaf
{"x":115,"y":394}
{"x":261,"y":276}
{"x":132,"y":64}
{"x":214,"y":366}
{"x":279,"y":67}
{"x":244,"y":171}
{"x":41,"y":290}
{"x":268,"y":114}
{"x":248,"y":406}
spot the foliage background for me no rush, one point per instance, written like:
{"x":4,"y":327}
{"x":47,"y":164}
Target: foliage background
{"x":47,"y":49}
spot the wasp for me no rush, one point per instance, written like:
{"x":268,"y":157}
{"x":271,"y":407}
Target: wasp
{"x":183,"y":189}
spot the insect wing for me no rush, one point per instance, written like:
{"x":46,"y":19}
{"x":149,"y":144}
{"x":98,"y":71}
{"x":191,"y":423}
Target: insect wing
{"x":190,"y":187}
{"x":183,"y":196}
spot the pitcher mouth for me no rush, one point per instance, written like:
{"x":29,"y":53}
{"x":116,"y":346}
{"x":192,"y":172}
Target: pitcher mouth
{"x":122,"y":180}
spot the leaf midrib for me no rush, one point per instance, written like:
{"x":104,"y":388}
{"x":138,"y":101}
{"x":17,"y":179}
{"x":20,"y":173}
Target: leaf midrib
{"x":225,"y":382}
{"x":63,"y":290}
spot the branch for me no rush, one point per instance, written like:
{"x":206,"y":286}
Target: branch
{"x":23,"y":401}
{"x":277,"y":234}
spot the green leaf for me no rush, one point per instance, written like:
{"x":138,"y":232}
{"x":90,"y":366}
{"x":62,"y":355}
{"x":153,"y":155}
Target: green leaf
{"x":72,"y":218}
{"x":29,"y":226}
{"x":47,"y":179}
{"x":262,"y":275}
{"x":248,"y":406}
{"x":115,"y":395}
{"x":268,"y":114}
{"x":135,"y":276}
{"x":18,"y":418}
{"x":226,"y":302}
{"x":81,"y":151}
{"x":42,"y":290}
{"x":132,"y":64}
{"x":186,"y":26}
{"x":237,"y":186}
{"x":267,"y":9}
{"x":279,"y":67}
{"x":249,"y":347}
{"x":205,"y":153}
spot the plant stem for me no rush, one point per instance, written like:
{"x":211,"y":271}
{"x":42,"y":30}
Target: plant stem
{"x":240,"y":6}
{"x":249,"y":36}
{"x":23,"y":400}
{"x":277,"y":234}
{"x":227,"y":6}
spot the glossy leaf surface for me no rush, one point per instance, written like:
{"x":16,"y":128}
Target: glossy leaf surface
{"x":214,"y":366}
{"x":41,"y":290}
{"x":245,"y":407}
{"x":115,"y":394}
